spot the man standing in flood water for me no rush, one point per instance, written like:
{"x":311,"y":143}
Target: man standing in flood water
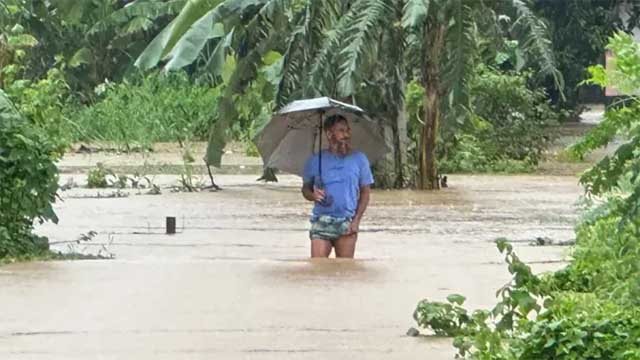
{"x":341,"y":194}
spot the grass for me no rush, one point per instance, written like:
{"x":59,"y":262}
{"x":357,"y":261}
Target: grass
{"x":51,"y":256}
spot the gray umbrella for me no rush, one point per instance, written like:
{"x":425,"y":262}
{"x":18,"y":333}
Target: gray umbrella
{"x":291,"y":136}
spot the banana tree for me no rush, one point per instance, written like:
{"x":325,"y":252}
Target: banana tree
{"x":439,"y":42}
{"x":207,"y":31}
{"x":306,"y":34}
{"x":92,"y":39}
{"x":349,"y":48}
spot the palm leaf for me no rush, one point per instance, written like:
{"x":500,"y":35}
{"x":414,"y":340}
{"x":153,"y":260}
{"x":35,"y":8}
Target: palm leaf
{"x":367,"y":23}
{"x":459,"y":60}
{"x":535,"y":39}
{"x":149,"y":10}
{"x":291,"y":64}
{"x":415,"y":14}
{"x":320,"y":74}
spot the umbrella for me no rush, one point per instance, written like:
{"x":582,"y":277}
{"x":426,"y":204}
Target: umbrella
{"x":292,"y":135}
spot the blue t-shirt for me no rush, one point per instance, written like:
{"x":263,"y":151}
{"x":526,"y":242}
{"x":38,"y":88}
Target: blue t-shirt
{"x":342,"y":178}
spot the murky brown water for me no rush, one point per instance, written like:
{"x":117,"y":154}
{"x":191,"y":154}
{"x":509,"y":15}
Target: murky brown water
{"x":235,"y":282}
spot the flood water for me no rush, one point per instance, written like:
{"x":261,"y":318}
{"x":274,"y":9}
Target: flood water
{"x":235,"y":282}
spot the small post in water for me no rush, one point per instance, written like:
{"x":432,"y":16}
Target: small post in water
{"x":171,"y":225}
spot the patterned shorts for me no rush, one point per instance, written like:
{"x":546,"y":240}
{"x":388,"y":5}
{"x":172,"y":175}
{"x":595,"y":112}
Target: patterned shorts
{"x":328,"y":228}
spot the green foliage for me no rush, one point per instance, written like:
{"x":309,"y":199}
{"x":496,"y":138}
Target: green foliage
{"x":505,"y":129}
{"x":534,"y":38}
{"x":509,"y":166}
{"x":97,"y":177}
{"x":623,"y":121}
{"x":47,"y":104}
{"x":513,"y":120}
{"x":42,"y":100}
{"x":28,"y":182}
{"x":581,"y":326}
{"x":579,"y":30}
{"x":606,"y":256}
{"x":414,"y":100}
{"x":167,"y":107}
{"x":590,"y":309}
{"x":103,"y":177}
{"x":188,"y":33}
{"x":466,"y":155}
{"x":572,"y":325}
{"x":158,"y":108}
{"x":483,"y":333}
{"x":334,"y":48}
{"x":255,"y":106}
{"x":90,"y":40}
{"x":470,"y":156}
{"x":446,"y":319}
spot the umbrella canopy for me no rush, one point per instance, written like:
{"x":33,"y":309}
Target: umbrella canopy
{"x":292,"y":135}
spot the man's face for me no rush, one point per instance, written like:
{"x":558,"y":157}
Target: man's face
{"x":340,"y":137}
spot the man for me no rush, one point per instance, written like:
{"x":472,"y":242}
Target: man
{"x":341,"y":194}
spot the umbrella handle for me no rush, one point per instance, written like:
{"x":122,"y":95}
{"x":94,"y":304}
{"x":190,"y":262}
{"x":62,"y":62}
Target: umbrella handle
{"x":327,"y":200}
{"x":320,"y":146}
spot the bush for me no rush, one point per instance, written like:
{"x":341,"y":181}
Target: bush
{"x":605,"y":256}
{"x":505,"y":128}
{"x":158,"y":108}
{"x":97,"y":177}
{"x":467,"y":156}
{"x":470,"y":156}
{"x":581,"y":326}
{"x":28,"y":182}
{"x":514,"y":118}
{"x":576,"y":322}
{"x":46,"y":104}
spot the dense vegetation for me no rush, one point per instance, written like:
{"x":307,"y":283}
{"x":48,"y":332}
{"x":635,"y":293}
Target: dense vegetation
{"x":80,"y":55}
{"x":462,"y":85}
{"x":157,"y":108}
{"x":588,"y":310}
{"x":28,"y":182}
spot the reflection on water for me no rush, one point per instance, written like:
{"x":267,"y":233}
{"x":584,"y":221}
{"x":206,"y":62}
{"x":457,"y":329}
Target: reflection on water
{"x":325,"y":269}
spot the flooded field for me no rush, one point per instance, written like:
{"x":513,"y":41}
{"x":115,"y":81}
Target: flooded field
{"x":235,"y":282}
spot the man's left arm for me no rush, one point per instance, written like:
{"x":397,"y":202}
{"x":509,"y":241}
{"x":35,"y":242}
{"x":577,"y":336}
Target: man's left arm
{"x":363,"y":201}
{"x":365,"y":180}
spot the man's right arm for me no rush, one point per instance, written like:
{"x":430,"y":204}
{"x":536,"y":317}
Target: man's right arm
{"x":310,"y":193}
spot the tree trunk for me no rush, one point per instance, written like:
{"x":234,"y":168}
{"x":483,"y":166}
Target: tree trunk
{"x":385,"y":168}
{"x":390,"y":170}
{"x":401,"y":142}
{"x":427,"y":166}
{"x":428,"y":178}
